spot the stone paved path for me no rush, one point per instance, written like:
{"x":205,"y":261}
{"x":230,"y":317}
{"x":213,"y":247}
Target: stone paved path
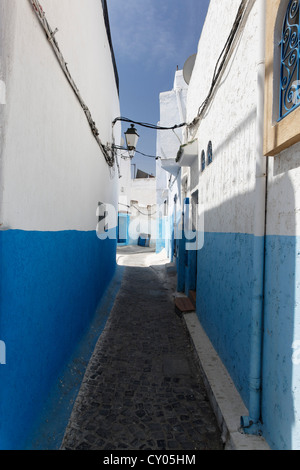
{"x":142,"y":389}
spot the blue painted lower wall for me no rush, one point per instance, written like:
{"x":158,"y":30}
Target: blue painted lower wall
{"x":224,"y":289}
{"x":281,"y":358}
{"x":123,"y":229}
{"x":51,"y":284}
{"x":160,"y":236}
{"x":224,"y":300}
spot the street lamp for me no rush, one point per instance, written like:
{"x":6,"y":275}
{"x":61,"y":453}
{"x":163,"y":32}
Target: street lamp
{"x":132,"y":138}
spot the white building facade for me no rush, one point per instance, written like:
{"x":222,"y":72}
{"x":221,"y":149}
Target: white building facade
{"x":242,"y":164}
{"x":137,"y":208}
{"x":168,"y":172}
{"x":56,"y":169}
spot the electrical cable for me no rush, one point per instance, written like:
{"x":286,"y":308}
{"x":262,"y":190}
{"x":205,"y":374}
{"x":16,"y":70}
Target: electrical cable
{"x":216,"y":75}
{"x":218,"y":68}
{"x":136,"y":208}
{"x":149,"y":126}
{"x":50,"y":35}
{"x":149,"y":156}
{"x":110,"y":159}
{"x":136,"y":151}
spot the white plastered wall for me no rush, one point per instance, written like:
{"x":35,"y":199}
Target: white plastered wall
{"x":53,"y":173}
{"x":143,"y":207}
{"x":229,"y":121}
{"x":172,"y":111}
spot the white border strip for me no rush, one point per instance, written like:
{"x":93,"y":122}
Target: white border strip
{"x":224,"y":397}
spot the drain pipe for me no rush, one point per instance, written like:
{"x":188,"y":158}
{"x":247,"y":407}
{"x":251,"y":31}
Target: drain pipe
{"x":251,"y":424}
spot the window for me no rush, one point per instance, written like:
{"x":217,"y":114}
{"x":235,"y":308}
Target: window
{"x":202,"y":160}
{"x":282,"y":76}
{"x":289,"y":57}
{"x":209,"y":153}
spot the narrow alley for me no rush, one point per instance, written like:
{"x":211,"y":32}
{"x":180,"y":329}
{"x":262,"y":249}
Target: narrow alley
{"x":142,"y":389}
{"x":126,"y":126}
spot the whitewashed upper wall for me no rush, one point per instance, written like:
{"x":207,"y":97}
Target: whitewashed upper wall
{"x":143,"y":217}
{"x":284,"y":193}
{"x":226,"y":186}
{"x":172,"y":111}
{"x":52,"y":169}
{"x":125,"y":181}
{"x":143,"y":190}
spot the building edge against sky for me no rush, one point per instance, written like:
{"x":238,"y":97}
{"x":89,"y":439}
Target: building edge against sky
{"x":54,"y":268}
{"x":168,"y":172}
{"x":247,"y":272}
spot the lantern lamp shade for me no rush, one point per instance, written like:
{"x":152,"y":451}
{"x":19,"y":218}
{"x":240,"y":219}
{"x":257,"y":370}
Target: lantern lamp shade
{"x":132,"y":137}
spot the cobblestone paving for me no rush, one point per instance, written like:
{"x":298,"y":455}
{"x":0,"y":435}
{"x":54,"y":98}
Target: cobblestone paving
{"x":142,"y":389}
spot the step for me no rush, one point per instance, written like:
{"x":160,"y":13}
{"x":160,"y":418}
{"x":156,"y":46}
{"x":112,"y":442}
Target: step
{"x":192,"y":296}
{"x":184,"y":305}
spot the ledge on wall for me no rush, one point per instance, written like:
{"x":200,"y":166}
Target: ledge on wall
{"x":170,"y":165}
{"x":187,"y":153}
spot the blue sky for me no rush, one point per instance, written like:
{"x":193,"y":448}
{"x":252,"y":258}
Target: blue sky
{"x":151,"y":38}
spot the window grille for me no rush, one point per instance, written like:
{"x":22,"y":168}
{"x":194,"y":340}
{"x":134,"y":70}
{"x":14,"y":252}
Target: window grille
{"x":209,"y":153}
{"x":203,"y":161}
{"x":289,"y":71}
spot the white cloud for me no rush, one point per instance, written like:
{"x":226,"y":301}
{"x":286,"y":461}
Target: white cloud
{"x":143,"y":30}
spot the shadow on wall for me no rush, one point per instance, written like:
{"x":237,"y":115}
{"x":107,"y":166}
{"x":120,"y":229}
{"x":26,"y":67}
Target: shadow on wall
{"x":281,"y":374}
{"x":225,"y":280}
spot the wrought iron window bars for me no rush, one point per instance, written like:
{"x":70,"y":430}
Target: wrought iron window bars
{"x":289,"y":96}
